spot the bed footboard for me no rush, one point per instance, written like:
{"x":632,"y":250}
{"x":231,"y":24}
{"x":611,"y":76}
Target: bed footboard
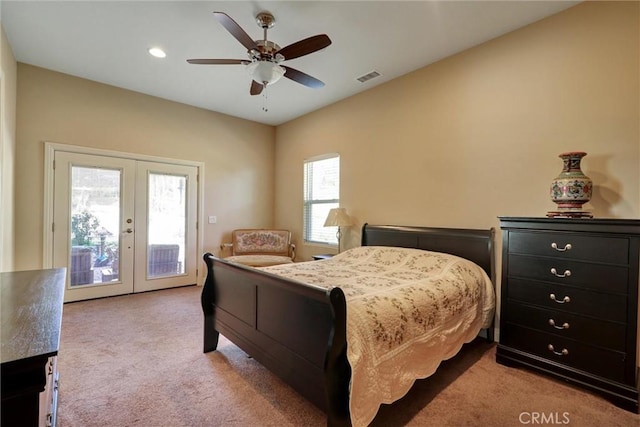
{"x":297,"y":331}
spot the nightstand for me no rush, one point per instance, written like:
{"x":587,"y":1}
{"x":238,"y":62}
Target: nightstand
{"x":569,"y":302}
{"x":322,"y":256}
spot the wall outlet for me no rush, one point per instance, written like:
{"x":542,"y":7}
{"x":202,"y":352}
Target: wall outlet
{"x":212,"y":219}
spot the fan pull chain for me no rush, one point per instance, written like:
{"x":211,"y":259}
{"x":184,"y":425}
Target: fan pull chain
{"x":265,"y":108}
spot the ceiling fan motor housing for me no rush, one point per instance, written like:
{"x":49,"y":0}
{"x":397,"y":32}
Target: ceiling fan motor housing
{"x":265,"y":51}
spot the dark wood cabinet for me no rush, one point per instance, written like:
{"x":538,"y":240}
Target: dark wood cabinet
{"x":31,"y":307}
{"x":569,"y":302}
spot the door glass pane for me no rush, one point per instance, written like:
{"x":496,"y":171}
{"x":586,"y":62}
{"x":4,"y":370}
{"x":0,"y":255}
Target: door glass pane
{"x":95,"y":226}
{"x":167,"y":214}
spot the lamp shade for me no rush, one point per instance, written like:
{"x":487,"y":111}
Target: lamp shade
{"x":338,"y":217}
{"x":265,"y":72}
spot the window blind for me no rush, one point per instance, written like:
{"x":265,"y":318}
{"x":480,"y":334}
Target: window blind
{"x":321,"y":194}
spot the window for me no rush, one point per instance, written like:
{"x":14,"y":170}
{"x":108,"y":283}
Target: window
{"x":321,"y":193}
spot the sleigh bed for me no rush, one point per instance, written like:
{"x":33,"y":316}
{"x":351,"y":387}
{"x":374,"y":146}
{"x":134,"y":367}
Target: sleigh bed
{"x":300,"y":330}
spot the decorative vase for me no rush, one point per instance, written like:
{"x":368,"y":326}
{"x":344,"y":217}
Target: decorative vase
{"x":571,"y":188}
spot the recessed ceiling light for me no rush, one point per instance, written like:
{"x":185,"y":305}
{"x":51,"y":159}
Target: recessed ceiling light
{"x":157,"y":52}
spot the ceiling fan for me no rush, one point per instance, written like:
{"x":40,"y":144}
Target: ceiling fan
{"x":265,"y":56}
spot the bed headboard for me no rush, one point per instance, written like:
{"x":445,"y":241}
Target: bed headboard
{"x":472,"y":244}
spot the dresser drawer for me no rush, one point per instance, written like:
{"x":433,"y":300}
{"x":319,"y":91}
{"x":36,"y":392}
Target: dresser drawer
{"x":607,"y":278}
{"x":574,"y":354}
{"x":568,"y":325}
{"x":570,"y":246}
{"x":593,"y":304}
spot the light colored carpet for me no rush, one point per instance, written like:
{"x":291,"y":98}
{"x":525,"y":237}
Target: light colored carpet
{"x":137,"y":360}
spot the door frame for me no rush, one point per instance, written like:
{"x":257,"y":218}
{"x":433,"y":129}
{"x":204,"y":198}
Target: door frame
{"x":50,"y":149}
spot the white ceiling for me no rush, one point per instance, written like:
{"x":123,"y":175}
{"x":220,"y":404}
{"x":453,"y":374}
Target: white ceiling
{"x":107,"y":41}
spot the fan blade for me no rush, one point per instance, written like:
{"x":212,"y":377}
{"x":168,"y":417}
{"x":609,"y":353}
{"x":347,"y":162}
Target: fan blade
{"x":218,"y":61}
{"x":235,"y":30}
{"x":302,"y":78}
{"x":256,"y":88}
{"x":305,"y":47}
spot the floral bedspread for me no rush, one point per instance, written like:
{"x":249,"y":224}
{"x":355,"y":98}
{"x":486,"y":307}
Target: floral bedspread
{"x":407,"y":310}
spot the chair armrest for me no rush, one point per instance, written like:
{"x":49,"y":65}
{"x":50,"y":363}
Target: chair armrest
{"x":223,"y":246}
{"x":293,"y":251}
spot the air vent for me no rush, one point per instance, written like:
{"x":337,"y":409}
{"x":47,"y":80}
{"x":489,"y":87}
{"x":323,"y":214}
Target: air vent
{"x":367,"y":77}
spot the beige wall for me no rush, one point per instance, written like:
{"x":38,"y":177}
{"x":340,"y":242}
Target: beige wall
{"x":8,"y":83}
{"x":456,"y":143}
{"x":54,"y":107}
{"x":477,"y":135}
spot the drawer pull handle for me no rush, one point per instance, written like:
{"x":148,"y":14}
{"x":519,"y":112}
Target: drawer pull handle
{"x":565,"y":325}
{"x":564,"y":351}
{"x":564,"y":300}
{"x":567,"y":247}
{"x":566,"y":273}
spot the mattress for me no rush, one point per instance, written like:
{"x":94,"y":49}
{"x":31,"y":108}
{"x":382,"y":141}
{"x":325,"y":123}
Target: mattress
{"x":407,"y":311}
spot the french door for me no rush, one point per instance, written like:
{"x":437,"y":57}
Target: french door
{"x":122,"y":225}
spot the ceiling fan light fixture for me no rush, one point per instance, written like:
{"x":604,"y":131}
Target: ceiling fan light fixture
{"x":265,"y":72}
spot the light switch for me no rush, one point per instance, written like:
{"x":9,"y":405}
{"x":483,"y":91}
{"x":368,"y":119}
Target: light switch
{"x":212,"y":219}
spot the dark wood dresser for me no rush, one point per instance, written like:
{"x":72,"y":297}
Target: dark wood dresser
{"x":569,"y":302}
{"x":31,"y":307}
